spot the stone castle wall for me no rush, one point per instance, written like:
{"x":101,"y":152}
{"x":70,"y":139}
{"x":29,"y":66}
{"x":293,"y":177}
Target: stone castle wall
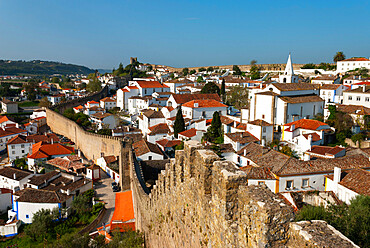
{"x":60,"y":107}
{"x":199,"y":201}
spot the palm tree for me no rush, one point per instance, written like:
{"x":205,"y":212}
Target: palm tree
{"x":339,"y":56}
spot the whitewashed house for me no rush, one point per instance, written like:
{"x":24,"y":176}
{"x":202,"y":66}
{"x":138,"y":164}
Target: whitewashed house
{"x":103,"y":120}
{"x":145,"y":150}
{"x":262,"y":130}
{"x":332,"y":93}
{"x":239,"y":139}
{"x":358,"y":96}
{"x":352,"y":64}
{"x":177,"y":100}
{"x":108,"y":103}
{"x":13,"y":178}
{"x":301,"y":135}
{"x":18,"y":147}
{"x":348,"y":184}
{"x":203,"y":109}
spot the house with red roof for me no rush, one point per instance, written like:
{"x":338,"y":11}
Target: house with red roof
{"x":203,"y":109}
{"x":108,"y":103}
{"x":42,"y":152}
{"x":332,"y":93}
{"x":54,"y":99}
{"x":352,"y":64}
{"x":18,"y":147}
{"x":7,"y":133}
{"x":301,"y":135}
{"x":191,"y":134}
{"x":168,"y":145}
{"x":158,"y":132}
{"x":124,"y":94}
{"x":348,"y":184}
{"x":148,"y":87}
{"x":5,"y":120}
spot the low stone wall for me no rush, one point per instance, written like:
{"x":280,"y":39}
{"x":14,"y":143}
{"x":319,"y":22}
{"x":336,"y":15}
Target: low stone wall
{"x":94,"y":223}
{"x":199,"y":201}
{"x":362,"y":144}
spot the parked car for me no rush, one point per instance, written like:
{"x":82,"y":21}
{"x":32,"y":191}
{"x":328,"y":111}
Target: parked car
{"x":116,"y":188}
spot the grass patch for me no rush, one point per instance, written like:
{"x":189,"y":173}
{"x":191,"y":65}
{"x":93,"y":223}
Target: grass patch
{"x":29,"y":104}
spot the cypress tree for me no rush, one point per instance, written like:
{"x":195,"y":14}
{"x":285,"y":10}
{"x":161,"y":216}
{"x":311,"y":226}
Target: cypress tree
{"x":179,"y":124}
{"x":216,"y":125}
{"x":223,"y":90}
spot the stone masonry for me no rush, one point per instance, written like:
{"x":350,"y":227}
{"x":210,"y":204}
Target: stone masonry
{"x":199,"y":201}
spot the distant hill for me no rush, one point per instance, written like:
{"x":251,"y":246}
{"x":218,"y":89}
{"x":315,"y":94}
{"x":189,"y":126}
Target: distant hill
{"x":38,"y":67}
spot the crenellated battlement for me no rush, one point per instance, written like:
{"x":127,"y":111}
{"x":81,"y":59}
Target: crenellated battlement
{"x":200,"y":201}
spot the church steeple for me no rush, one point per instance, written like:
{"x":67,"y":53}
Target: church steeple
{"x":288,"y":75}
{"x":289,"y":67}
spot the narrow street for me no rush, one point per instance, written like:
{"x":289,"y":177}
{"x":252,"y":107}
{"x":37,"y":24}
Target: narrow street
{"x":104,"y":192}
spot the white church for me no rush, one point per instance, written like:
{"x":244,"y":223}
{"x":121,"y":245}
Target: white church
{"x":285,"y":101}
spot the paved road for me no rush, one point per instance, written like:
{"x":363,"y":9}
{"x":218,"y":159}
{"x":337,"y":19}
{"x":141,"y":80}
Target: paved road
{"x":104,"y":192}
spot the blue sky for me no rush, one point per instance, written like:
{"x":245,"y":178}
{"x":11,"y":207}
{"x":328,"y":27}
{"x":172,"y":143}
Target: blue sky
{"x":101,"y":34}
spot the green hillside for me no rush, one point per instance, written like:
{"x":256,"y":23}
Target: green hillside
{"x":38,"y":67}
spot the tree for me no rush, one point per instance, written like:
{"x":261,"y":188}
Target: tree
{"x":81,"y":204}
{"x":223,"y":90}
{"x":192,"y":72}
{"x":210,"y":88}
{"x":214,"y":132}
{"x":309,"y":66}
{"x":93,"y":85}
{"x":42,"y":221}
{"x":185,"y":71}
{"x":44,"y":102}
{"x":339,"y":56}
{"x":179,"y":124}
{"x":254,"y":72}
{"x":201,"y":69}
{"x":209,"y":69}
{"x":31,"y":89}
{"x":236,"y":70}
{"x":253,"y":62}
{"x":55,"y":80}
{"x":127,"y":239}
{"x":200,"y":79}
{"x":237,"y":96}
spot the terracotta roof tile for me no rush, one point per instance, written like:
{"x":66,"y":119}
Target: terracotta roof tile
{"x":295,"y":86}
{"x":165,"y":143}
{"x":357,"y":180}
{"x":189,"y":133}
{"x":242,"y":137}
{"x":142,"y":147}
{"x":301,"y":99}
{"x":161,"y":128}
{"x":10,"y":171}
{"x":258,"y":172}
{"x":204,"y":104}
{"x":183,"y":98}
{"x":306,"y":124}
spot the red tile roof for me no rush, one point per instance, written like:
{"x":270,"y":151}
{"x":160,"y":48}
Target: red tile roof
{"x":242,"y":137}
{"x":161,"y":128}
{"x":142,"y":147}
{"x":189,"y":133}
{"x":357,"y":180}
{"x":306,"y":124}
{"x":151,"y":84}
{"x":325,"y":150}
{"x":107,"y":99}
{"x":40,"y":150}
{"x":168,"y":143}
{"x":19,"y":139}
{"x":204,"y":104}
{"x":11,"y":131}
{"x":132,"y":87}
{"x":92,"y":102}
{"x":4,"y":119}
{"x":183,"y":98}
{"x":355,"y":59}
{"x":315,"y":136}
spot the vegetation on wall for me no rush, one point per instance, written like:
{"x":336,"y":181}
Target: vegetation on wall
{"x":352,"y":220}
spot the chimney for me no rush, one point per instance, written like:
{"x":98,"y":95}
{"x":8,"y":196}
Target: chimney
{"x":306,"y":157}
{"x":234,"y":123}
{"x":68,"y":191}
{"x":196,"y":105}
{"x":14,"y":176}
{"x":337,"y":172}
{"x":79,"y":152}
{"x":245,"y":152}
{"x":263,"y":142}
{"x":52,"y":141}
{"x":310,"y":138}
{"x":363,"y":88}
{"x":293,"y":127}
